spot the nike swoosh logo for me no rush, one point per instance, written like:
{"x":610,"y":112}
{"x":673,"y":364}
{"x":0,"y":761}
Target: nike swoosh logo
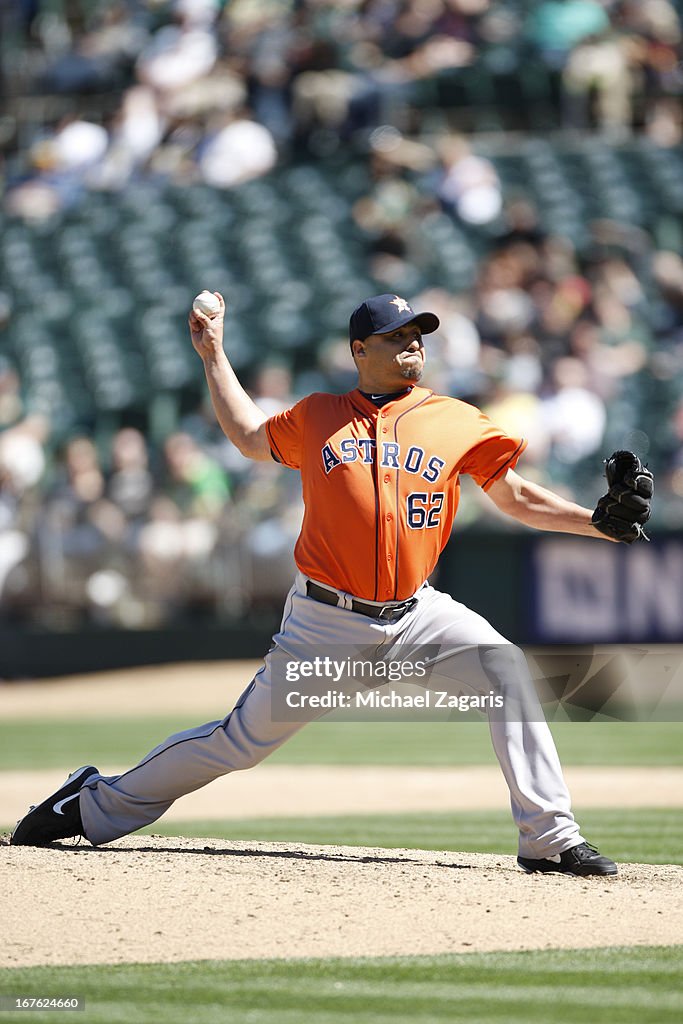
{"x":556,"y":858}
{"x":57,"y":808}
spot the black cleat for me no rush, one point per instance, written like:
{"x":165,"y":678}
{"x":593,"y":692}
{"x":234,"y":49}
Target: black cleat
{"x":582,"y":860}
{"x":58,"y":817}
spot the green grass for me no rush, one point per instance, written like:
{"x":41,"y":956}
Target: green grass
{"x":49,"y":744}
{"x":600,"y":986}
{"x":643,"y":836}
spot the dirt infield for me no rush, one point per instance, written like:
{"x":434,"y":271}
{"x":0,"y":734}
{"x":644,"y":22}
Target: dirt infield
{"x":283,"y":791}
{"x":151,"y":899}
{"x":193,"y":688}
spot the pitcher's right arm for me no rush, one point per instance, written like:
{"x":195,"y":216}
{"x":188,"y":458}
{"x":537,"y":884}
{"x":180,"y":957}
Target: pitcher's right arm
{"x":240,"y":419}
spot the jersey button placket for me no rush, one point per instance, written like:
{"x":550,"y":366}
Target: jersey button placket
{"x":387,"y":516}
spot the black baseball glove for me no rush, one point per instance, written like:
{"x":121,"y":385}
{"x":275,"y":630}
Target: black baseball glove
{"x":624,"y":510}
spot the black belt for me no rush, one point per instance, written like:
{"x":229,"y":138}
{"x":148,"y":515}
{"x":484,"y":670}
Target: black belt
{"x":387,"y":612}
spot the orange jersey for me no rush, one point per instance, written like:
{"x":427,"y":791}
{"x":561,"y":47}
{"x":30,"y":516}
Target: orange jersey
{"x":381,"y":486}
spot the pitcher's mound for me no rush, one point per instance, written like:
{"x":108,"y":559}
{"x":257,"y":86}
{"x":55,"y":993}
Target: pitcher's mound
{"x":153,"y":899}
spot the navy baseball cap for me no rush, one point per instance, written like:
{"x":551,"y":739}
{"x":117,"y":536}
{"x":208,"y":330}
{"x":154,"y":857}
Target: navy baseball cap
{"x":384,"y":313}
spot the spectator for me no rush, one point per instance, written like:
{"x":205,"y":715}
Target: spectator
{"x":555,"y":27}
{"x":514,"y":404}
{"x":130,"y":484}
{"x":77,"y":146}
{"x":664,"y":122}
{"x":179,"y":537}
{"x":22,"y":463}
{"x":601,"y":66}
{"x":179,"y":53}
{"x":504,"y":303}
{"x":469,"y":185}
{"x":667,"y":269}
{"x":237,"y":151}
{"x":11,"y":405}
{"x":654,"y":30}
{"x":100,"y":58}
{"x":455,"y":349}
{"x":77,"y":514}
{"x":137,"y":129}
{"x":196,"y":484}
{"x":573,"y":414}
{"x":175,"y":553}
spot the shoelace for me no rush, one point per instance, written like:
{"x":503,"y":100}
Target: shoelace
{"x":585,"y":849}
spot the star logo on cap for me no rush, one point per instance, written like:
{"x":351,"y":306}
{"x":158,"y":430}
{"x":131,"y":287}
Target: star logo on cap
{"x":401,"y":305}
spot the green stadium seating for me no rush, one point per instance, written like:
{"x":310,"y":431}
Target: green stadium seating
{"x":116,"y":273}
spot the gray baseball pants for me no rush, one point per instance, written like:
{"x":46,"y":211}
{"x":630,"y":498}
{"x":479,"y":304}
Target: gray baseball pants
{"x":481,"y":659}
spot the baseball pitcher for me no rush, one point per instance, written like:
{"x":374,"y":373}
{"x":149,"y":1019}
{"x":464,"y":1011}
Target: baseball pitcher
{"x":380,"y":470}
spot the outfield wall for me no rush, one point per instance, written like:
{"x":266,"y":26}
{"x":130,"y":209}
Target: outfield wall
{"x":553,"y":588}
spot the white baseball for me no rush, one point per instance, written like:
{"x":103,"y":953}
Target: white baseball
{"x":207,"y":303}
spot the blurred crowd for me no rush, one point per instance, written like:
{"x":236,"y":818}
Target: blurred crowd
{"x":204,"y":90}
{"x":126,"y":534}
{"x":578,"y":348}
